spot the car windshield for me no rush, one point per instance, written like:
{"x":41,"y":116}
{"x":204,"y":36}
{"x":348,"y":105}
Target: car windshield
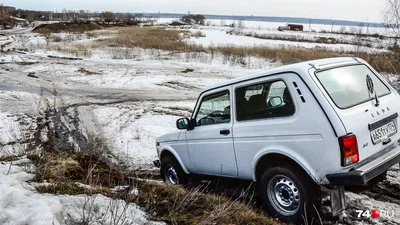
{"x":347,"y":86}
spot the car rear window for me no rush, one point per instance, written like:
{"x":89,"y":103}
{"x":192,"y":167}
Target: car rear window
{"x":347,"y":86}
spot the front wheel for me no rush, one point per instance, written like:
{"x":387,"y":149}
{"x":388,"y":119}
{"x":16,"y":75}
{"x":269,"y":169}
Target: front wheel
{"x":289,"y":195}
{"x":172,"y":172}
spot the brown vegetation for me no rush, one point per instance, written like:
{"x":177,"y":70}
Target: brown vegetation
{"x":173,"y":40}
{"x":88,"y":72}
{"x":319,"y":40}
{"x":77,"y":50}
{"x":172,"y":204}
{"x":176,"y":205}
{"x":9,"y":158}
{"x":153,"y":38}
{"x":66,"y":27}
{"x":193,"y":19}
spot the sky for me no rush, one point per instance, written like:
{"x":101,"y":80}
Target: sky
{"x":355,"y":10}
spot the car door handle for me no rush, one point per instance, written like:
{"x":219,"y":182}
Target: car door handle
{"x":224,"y":132}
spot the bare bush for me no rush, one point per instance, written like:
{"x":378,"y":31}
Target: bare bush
{"x":98,"y":210}
{"x":194,"y":19}
{"x":391,"y":17}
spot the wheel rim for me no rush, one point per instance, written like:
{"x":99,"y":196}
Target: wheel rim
{"x":283,"y":195}
{"x":170,"y":175}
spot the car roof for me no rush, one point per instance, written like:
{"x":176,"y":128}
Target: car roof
{"x":297,"y":68}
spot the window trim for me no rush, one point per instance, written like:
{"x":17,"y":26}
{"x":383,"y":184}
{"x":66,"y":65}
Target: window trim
{"x":272,"y":80}
{"x":359,"y":103}
{"x":206,"y":94}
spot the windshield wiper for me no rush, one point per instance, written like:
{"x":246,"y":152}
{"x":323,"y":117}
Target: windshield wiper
{"x":371,"y":89}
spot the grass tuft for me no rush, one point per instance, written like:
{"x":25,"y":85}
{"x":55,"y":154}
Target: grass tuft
{"x":188,"y":70}
{"x":9,"y":158}
{"x":87,"y":72}
{"x":177,"y":205}
{"x":72,"y":188}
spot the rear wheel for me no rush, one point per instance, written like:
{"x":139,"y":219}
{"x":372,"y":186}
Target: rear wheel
{"x":288,"y":194}
{"x":172,"y":172}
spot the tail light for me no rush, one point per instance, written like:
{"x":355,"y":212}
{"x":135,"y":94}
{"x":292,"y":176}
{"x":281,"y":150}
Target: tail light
{"x":349,"y":149}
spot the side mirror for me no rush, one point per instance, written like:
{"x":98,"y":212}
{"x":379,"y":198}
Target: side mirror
{"x":275,"y":101}
{"x":182,"y":123}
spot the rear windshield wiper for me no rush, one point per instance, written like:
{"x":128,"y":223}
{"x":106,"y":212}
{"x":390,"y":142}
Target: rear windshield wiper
{"x":371,"y":89}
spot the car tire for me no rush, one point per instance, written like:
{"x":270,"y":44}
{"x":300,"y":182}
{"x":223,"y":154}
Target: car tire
{"x":289,"y":194}
{"x":171,"y":172}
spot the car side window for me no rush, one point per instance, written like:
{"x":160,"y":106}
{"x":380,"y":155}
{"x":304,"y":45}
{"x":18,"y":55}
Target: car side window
{"x":214,"y":109}
{"x":267,"y":100}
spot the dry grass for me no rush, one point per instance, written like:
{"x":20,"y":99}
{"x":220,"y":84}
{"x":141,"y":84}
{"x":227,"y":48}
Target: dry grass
{"x":284,"y":54}
{"x":198,"y":34}
{"x":77,"y":50}
{"x":172,"y":204}
{"x":319,"y":40}
{"x":9,"y":158}
{"x":151,"y":38}
{"x":80,"y":167}
{"x":88,"y":72}
{"x":176,"y":205}
{"x":174,"y":40}
{"x":66,"y":27}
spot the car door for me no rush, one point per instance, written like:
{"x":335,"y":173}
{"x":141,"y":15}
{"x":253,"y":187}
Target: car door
{"x":210,"y":143}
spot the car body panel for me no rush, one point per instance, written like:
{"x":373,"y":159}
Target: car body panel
{"x":306,"y":137}
{"x":309,"y":137}
{"x":211,"y":152}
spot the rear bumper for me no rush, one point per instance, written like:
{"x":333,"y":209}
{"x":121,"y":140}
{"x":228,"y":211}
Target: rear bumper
{"x":361,"y":175}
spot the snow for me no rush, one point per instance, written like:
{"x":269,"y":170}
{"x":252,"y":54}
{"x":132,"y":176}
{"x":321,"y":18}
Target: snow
{"x":262,"y":25}
{"x":221,"y":38}
{"x":20,"y":204}
{"x":216,"y":32}
{"x":133,"y":128}
{"x":363,"y":202}
{"x":14,"y":132}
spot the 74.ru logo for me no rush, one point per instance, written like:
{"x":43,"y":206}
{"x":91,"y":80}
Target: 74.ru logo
{"x":375,"y":213}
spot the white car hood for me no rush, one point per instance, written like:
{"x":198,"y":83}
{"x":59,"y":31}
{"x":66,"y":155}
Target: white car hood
{"x":171,"y":136}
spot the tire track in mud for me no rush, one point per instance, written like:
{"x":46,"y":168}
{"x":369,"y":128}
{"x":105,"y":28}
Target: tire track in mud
{"x":385,"y":191}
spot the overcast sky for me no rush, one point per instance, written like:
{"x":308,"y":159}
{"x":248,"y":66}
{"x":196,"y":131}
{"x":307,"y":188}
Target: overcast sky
{"x":357,"y":10}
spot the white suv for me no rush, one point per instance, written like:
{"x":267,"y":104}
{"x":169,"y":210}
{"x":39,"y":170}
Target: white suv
{"x":329,"y":122}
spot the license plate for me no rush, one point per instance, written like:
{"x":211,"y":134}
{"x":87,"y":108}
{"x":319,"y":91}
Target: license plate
{"x":384,"y":132}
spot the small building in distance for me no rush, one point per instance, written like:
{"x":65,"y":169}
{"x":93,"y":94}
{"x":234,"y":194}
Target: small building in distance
{"x":294,"y":27}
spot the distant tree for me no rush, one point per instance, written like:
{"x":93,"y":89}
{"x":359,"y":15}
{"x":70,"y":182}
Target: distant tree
{"x":107,"y":17}
{"x":4,"y":17}
{"x":64,"y":15}
{"x":194,"y":19}
{"x":392,"y":17}
{"x":83,"y":15}
{"x":139,"y":15}
{"x":4,"y":14}
{"x":342,"y":29}
{"x":241,"y":25}
{"x":131,"y":20}
{"x":392,"y":23}
{"x":30,"y":16}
